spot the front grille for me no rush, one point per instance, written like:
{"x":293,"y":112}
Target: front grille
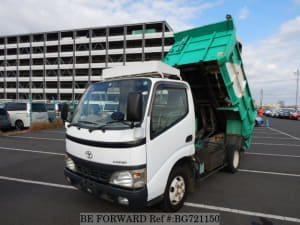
{"x":93,"y":172}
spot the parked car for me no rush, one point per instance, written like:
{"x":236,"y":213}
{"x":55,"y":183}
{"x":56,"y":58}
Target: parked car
{"x":259,"y":122}
{"x":295,"y":115}
{"x":273,"y":113}
{"x":287,"y":113}
{"x":53,"y":110}
{"x":4,"y":120}
{"x":276,"y":114}
{"x":20,"y":113}
{"x":268,"y":113}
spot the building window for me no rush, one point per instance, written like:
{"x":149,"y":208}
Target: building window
{"x":98,"y":59}
{"x":134,"y":44}
{"x":155,"y":42}
{"x":50,"y":84}
{"x":36,"y":96}
{"x":66,"y":97}
{"x":153,"y":56}
{"x":67,"y":84}
{"x":133,"y":57}
{"x":82,"y":72}
{"x":116,"y":45}
{"x":37,"y":85}
{"x":11,"y":85}
{"x":81,"y":84}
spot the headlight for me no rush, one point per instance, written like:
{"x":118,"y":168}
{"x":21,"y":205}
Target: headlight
{"x":70,"y":164}
{"x":129,"y":178}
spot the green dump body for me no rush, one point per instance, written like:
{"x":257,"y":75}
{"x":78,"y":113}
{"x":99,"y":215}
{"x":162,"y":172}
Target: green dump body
{"x":216,"y":44}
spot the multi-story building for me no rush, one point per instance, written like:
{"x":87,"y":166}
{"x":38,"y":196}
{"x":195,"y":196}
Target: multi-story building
{"x":58,"y":65}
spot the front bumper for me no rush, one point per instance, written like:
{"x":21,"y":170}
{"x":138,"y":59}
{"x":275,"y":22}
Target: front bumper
{"x":136,"y":198}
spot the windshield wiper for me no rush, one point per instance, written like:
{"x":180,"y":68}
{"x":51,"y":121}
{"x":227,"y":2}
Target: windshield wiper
{"x":102,"y":127}
{"x":87,"y":122}
{"x":72,"y":124}
{"x":81,"y":122}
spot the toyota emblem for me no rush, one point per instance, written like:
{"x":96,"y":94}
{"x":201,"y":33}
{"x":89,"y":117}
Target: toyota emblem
{"x":89,"y":154}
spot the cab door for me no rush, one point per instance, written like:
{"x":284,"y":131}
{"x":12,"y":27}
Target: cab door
{"x":171,"y":127}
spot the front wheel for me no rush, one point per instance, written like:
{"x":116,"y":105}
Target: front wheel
{"x":176,"y":190}
{"x":233,"y":158}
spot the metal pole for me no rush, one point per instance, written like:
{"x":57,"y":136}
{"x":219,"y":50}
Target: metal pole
{"x":297,"y":88}
{"x":30,"y":112}
{"x":261,"y":97}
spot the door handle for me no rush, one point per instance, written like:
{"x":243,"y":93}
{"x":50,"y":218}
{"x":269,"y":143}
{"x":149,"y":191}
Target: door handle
{"x":189,"y":138}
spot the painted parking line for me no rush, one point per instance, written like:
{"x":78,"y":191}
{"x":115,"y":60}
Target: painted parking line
{"x":189,"y":204}
{"x":53,"y":132}
{"x":270,"y":173}
{"x":260,"y":143}
{"x":243,"y":212}
{"x":270,"y":132}
{"x":276,"y":138}
{"x":37,"y":182}
{"x":276,"y":155}
{"x":284,"y":133}
{"x":37,"y":138}
{"x":31,"y":151}
{"x":267,"y":133}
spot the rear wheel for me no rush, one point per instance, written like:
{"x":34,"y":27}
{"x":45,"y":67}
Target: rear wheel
{"x":233,"y":158}
{"x":176,"y":189}
{"x":19,"y":125}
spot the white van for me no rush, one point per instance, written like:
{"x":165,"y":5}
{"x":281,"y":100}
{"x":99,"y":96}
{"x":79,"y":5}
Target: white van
{"x":20,"y":113}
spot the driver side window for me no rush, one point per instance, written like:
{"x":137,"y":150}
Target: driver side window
{"x":169,"y":107}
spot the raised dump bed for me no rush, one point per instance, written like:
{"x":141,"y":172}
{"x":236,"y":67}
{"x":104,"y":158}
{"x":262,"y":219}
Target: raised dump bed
{"x":209,"y":59}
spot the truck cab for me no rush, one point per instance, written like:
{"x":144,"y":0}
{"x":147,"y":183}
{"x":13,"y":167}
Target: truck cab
{"x":127,"y":154}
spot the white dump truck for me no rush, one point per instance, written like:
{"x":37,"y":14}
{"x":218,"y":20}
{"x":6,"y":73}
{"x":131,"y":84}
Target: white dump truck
{"x":167,"y":123}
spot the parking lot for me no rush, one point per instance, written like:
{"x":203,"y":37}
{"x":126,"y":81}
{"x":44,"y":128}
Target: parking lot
{"x":265,"y":191}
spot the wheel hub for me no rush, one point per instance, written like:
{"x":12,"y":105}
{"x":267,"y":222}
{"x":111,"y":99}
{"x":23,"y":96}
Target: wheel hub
{"x":177,"y":190}
{"x":236,"y":159}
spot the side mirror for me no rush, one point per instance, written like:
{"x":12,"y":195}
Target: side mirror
{"x":64,"y":112}
{"x":134,"y":107}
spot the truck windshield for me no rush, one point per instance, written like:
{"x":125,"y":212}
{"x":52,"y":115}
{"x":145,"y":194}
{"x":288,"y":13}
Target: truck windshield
{"x":101,"y":100}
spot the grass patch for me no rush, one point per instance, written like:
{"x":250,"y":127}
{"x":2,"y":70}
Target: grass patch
{"x":37,"y":126}
{"x":45,"y":126}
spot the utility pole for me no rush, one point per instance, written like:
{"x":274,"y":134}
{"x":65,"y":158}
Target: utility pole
{"x":297,"y":87}
{"x":261,"y":97}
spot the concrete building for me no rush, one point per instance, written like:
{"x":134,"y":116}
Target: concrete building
{"x":58,"y":65}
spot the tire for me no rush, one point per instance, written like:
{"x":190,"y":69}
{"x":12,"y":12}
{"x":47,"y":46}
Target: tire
{"x":233,"y":158}
{"x":19,"y":125}
{"x":176,"y":189}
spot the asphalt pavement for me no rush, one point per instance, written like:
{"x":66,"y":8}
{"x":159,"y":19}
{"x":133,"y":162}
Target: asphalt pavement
{"x":265,"y":191}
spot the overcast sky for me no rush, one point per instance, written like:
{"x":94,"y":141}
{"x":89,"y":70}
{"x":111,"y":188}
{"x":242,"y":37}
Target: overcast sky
{"x":269,"y":29}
